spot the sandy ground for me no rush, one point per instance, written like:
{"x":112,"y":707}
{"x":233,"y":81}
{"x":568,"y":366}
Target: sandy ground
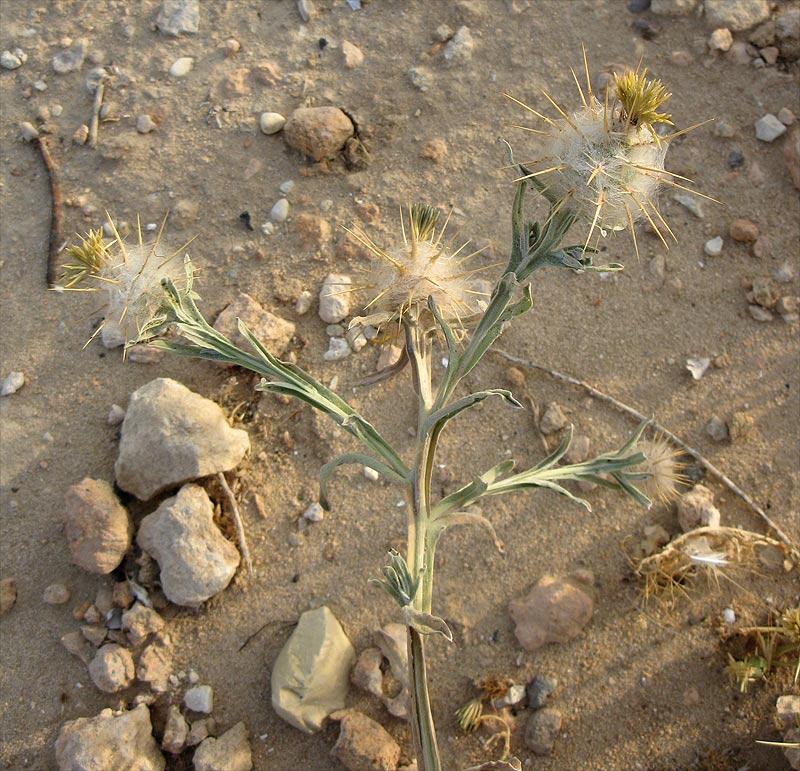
{"x":641,"y":688}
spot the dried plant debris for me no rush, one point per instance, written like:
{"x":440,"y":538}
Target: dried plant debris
{"x":710,"y":552}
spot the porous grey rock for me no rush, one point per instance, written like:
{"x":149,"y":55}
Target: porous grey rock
{"x":318,"y":132}
{"x":13,"y":381}
{"x":139,"y":622}
{"x":70,"y":59}
{"x":200,"y":698}
{"x":458,"y":50}
{"x":273,"y":331}
{"x":555,"y":610}
{"x":553,"y":419}
{"x":56,"y":594}
{"x":420,"y":77}
{"x":122,"y":741}
{"x":179,"y":16}
{"x":97,"y":526}
{"x":229,"y":752}
{"x":696,"y":509}
{"x":539,"y":689}
{"x":717,"y":429}
{"x":176,"y":730}
{"x":363,"y":744}
{"x":112,"y":668}
{"x":195,"y":559}
{"x":172,"y":435}
{"x":541,"y":730}
{"x":334,"y":299}
{"x":737,"y":15}
{"x":310,"y":676}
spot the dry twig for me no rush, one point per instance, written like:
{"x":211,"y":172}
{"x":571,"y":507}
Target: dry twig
{"x":96,"y":107}
{"x":237,"y":519}
{"x":56,"y":211}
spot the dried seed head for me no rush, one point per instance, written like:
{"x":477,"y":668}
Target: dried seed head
{"x":420,"y":267}
{"x":130,"y":275}
{"x":662,"y":467}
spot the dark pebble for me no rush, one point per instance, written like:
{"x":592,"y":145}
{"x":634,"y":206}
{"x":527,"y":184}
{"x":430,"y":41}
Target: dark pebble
{"x":322,"y":43}
{"x":638,"y":6}
{"x":735,"y":159}
{"x":539,"y":689}
{"x":246,"y":219}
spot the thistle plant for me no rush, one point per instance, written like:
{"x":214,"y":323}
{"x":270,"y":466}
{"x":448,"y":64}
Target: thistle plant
{"x":605,"y":161}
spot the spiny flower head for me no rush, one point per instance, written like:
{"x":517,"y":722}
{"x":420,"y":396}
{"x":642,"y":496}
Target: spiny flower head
{"x":421,"y":266}
{"x":130,"y":275}
{"x":663,"y":469}
{"x":605,"y":160}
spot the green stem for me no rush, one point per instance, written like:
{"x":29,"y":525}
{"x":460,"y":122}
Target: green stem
{"x":422,"y":725}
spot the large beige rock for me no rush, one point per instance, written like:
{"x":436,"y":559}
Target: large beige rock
{"x":363,"y":744}
{"x":109,"y":742}
{"x":229,"y":752}
{"x":172,"y":435}
{"x":318,"y":132}
{"x":310,"y":676}
{"x":97,"y":527}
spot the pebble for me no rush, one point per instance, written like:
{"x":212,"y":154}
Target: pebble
{"x":371,"y":474}
{"x":542,"y":729}
{"x":29,"y":131}
{"x":200,"y":698}
{"x":770,"y":54}
{"x":421,"y":78}
{"x":717,"y":429}
{"x":735,"y":159}
{"x":723,"y":128}
{"x":176,"y":730}
{"x":232,"y":47}
{"x":139,"y":622}
{"x":338,"y":349}
{"x":363,"y":744}
{"x":181,"y":67}
{"x":760,"y":314}
{"x":555,"y":610}
{"x":112,"y":668}
{"x":729,"y":616}
{"x":312,"y":231}
{"x":334,"y":300}
{"x":155,"y":664}
{"x":458,"y":50}
{"x":279,"y":211}
{"x":196,"y":561}
{"x":738,"y":15}
{"x":314,"y":513}
{"x":179,"y":16}
{"x":713,"y":247}
{"x":97,"y":527}
{"x":786,"y":116}
{"x":698,"y":366}
{"x":741,"y":426}
{"x":160,"y":448}
{"x":81,"y":135}
{"x":769,"y":128}
{"x":56,"y":594}
{"x":287,"y":186}
{"x":306,"y":10}
{"x":271,"y":123}
{"x":696,"y":508}
{"x":12,"y":60}
{"x":690,"y":202}
{"x":553,"y":419}
{"x":743,"y":230}
{"x":787,"y":709}
{"x":273,"y":331}
{"x":12,"y":382}
{"x":318,"y":132}
{"x":145,"y":124}
{"x":720,"y":40}
{"x":539,"y":689}
{"x":115,"y":415}
{"x":310,"y":676}
{"x":353,"y":55}
{"x":229,"y":752}
{"x":434,"y":150}
{"x":304,"y":302}
{"x":70,"y":59}
{"x":8,"y":594}
{"x":119,"y":740}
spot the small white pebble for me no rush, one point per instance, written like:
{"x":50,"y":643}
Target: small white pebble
{"x":303,"y":304}
{"x":271,"y":122}
{"x":268,"y":228}
{"x":28,"y":131}
{"x":145,"y":124}
{"x":12,"y":383}
{"x":371,"y":474}
{"x":314,"y":513}
{"x":199,"y":699}
{"x":280,"y":211}
{"x":115,"y":415}
{"x":337,"y":349}
{"x":286,"y":187}
{"x":729,"y":616}
{"x":181,"y":67}
{"x":713,"y":247}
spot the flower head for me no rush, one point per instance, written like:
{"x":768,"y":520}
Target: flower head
{"x":662,"y":467}
{"x":605,"y":160}
{"x":130,"y":275}
{"x":421,"y":266}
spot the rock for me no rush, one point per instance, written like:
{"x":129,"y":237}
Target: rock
{"x":121,"y":741}
{"x":140,"y":622}
{"x":155,"y":664}
{"x":318,"y":132}
{"x":786,"y":116}
{"x":655,"y":537}
{"x":434,"y":150}
{"x":115,"y":415}
{"x":171,"y":435}
{"x":392,"y":639}
{"x":271,"y":330}
{"x":8,"y":594}
{"x":541,"y":730}
{"x":458,"y":50}
{"x":367,"y":673}
{"x":353,"y":56}
{"x":95,"y":634}
{"x":311,"y":230}
{"x":200,"y":698}
{"x":717,"y":429}
{"x":97,"y":527}
{"x":234,"y":85}
{"x":314,"y":513}
{"x":145,"y":124}
{"x":229,"y":752}
{"x":713,"y":247}
{"x":553,"y":419}
{"x":698,"y":366}
{"x":306,"y":9}
{"x":310,"y":676}
{"x":70,"y":59}
{"x":720,"y":40}
{"x":12,"y":60}
{"x":56,"y":594}
{"x":196,"y":560}
{"x":743,"y":230}
{"x":555,"y":610}
{"x":13,"y":381}
{"x":673,"y":7}
{"x":112,"y":668}
{"x":759,"y":314}
{"x":279,"y":211}
{"x":179,"y":16}
{"x":77,"y":644}
{"x":334,"y":299}
{"x":539,"y":689}
{"x":338,"y":349}
{"x":787,"y":709}
{"x":176,"y":730}
{"x":769,"y":128}
{"x":271,"y":122}
{"x":791,"y":155}
{"x":304,"y":302}
{"x":690,"y":202}
{"x":735,"y":159}
{"x":421,"y":78}
{"x":763,"y":293}
{"x":696,"y":509}
{"x":770,"y":56}
{"x":741,"y":426}
{"x":791,"y":750}
{"x":737,"y":15}
{"x":181,"y":67}
{"x":578,"y":450}
{"x":363,"y":744}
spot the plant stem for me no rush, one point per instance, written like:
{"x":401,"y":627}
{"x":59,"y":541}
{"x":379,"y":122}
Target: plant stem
{"x":422,"y":726}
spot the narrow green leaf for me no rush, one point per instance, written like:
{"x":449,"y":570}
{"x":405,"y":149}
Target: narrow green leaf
{"x":472,"y":492}
{"x":351,"y":457}
{"x":455,"y":518}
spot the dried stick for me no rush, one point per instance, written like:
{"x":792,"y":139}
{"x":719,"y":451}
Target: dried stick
{"x":237,"y":521}
{"x":56,"y":211}
{"x":713,"y":470}
{"x":95,"y":122}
